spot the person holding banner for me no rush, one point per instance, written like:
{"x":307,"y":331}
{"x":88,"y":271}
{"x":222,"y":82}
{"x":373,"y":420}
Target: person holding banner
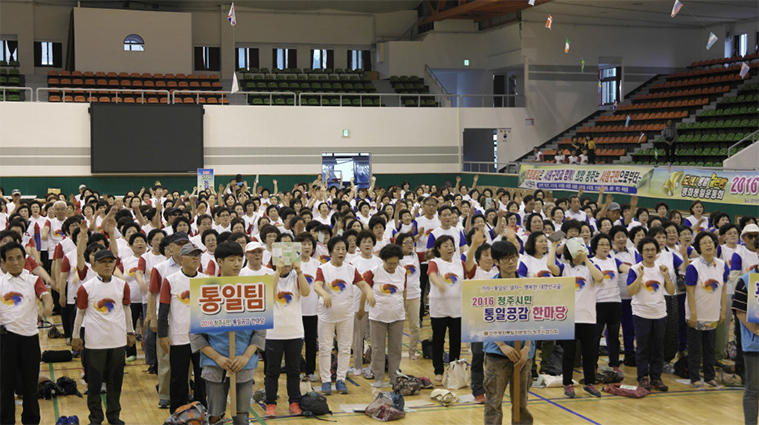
{"x":335,"y":282}
{"x":646,"y":283}
{"x":503,"y":361}
{"x":587,"y":275}
{"x":215,"y":358}
{"x":706,"y":307}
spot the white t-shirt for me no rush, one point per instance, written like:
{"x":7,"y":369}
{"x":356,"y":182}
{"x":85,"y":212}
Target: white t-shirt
{"x":339,"y":284}
{"x":73,"y":281}
{"x":131,"y":265}
{"x":585,"y":293}
{"x":628,"y":257}
{"x":451,"y":273}
{"x":648,"y":302}
{"x":104,"y":303}
{"x":55,"y":235}
{"x":309,"y":304}
{"x":579,"y":215}
{"x":413,"y":273}
{"x":608,"y":290}
{"x":263,"y":271}
{"x":388,"y":294}
{"x":530,"y":266}
{"x":691,"y":221}
{"x":362,"y":266}
{"x":428,"y":225}
{"x":707,"y":280}
{"x":175,"y":292}
{"x":288,"y":322}
{"x":18,"y":311}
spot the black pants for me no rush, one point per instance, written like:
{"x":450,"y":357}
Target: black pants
{"x":275,"y":349}
{"x":649,"y":350}
{"x":19,"y":358}
{"x":310,"y":325}
{"x":609,"y":315}
{"x":477,"y":370}
{"x":585,"y":334}
{"x":83,"y":353}
{"x":136,"y":313}
{"x":591,"y":156}
{"x":698,"y":342}
{"x":439,"y":325}
{"x":68,"y":314}
{"x":670,"y":152}
{"x":180,"y":357}
{"x":423,"y":284}
{"x":740,"y":362}
{"x":105,"y":365}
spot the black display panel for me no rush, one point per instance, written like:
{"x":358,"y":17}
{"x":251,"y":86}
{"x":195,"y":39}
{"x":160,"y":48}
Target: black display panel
{"x":146,"y":138}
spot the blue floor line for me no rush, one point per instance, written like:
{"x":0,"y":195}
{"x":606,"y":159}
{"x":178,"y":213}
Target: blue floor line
{"x":565,"y":408}
{"x":347,"y":378}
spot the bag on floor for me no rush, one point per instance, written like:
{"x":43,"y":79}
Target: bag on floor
{"x":314,"y":404}
{"x":386,"y":407}
{"x":725,"y":378}
{"x":681,"y":367}
{"x":607,"y":375}
{"x":444,"y":397}
{"x":457,"y":375}
{"x":305,"y":387}
{"x":366,"y":357}
{"x":631,"y":391}
{"x":54,"y":333}
{"x":190,"y":414}
{"x":48,"y":390}
{"x":407,"y":385}
{"x":57,"y":356}
{"x":68,"y":386}
{"x":427,"y":348}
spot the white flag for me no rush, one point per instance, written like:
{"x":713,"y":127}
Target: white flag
{"x":235,"y":86}
{"x":712,"y":40}
{"x":532,"y":2}
{"x":231,"y":15}
{"x":744,"y":69}
{"x":676,"y":8}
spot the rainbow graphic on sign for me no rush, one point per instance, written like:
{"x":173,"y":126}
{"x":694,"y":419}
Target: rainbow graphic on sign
{"x":652,"y":286}
{"x":184,"y":297}
{"x":105,"y":306}
{"x":338,"y":285}
{"x":13,"y":298}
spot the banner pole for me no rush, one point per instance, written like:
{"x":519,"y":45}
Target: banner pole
{"x":516,"y":384}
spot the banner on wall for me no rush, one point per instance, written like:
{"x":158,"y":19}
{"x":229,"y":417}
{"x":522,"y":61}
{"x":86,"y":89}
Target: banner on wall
{"x":690,"y":184}
{"x":752,"y":309}
{"x":227,"y":304}
{"x":205,"y":179}
{"x":518,"y":309}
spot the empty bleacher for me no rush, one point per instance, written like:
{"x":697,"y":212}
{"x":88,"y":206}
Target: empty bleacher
{"x":10,"y":77}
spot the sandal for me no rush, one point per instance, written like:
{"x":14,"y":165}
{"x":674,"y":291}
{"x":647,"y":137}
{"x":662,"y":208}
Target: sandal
{"x":714,"y":384}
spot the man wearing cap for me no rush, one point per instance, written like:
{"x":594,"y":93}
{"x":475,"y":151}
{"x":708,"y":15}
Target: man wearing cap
{"x":254,"y":253}
{"x":19,"y":338}
{"x":174,"y":327}
{"x":104,"y":302}
{"x":15,"y":201}
{"x":160,"y":271}
{"x":745,"y":257}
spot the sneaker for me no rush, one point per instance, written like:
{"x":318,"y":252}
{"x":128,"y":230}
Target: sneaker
{"x":669,"y":369}
{"x":368,"y":374}
{"x":295,"y":409}
{"x":569,"y":391}
{"x":698,"y":385}
{"x":412,"y":355}
{"x":590,"y":389}
{"x":63,"y":420}
{"x":714,"y":385}
{"x":68,"y":342}
{"x":438,"y":378}
{"x":341,"y":388}
{"x":645,"y":383}
{"x":73,"y":420}
{"x":152,"y":369}
{"x":479,"y":399}
{"x":270,"y":411}
{"x":103,"y":389}
{"x":658,"y":385}
{"x":164,"y":404}
{"x":377,"y":384}
{"x":131,"y":358}
{"x":313,"y":377}
{"x":616,"y":370}
{"x":76,"y":354}
{"x":327,"y":388}
{"x":356,"y":372}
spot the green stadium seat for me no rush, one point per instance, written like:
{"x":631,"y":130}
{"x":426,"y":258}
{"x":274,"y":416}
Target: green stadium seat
{"x":356,"y":102}
{"x":257,"y":101}
{"x":367,"y":102}
{"x":334,"y":102}
{"x":347,"y":102}
{"x":279,"y":101}
{"x":317,"y":87}
{"x":409,"y":102}
{"x":272,"y":86}
{"x":378,"y":102}
{"x":313,"y":102}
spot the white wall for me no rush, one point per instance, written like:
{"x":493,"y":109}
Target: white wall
{"x":100,"y":37}
{"x":748,"y":159}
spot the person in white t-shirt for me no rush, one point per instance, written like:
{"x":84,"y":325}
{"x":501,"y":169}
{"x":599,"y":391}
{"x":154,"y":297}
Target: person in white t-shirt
{"x":706,"y":307}
{"x":104,"y":303}
{"x":19,"y":341}
{"x":286,"y":338}
{"x":386,"y":317}
{"x":254,"y":253}
{"x":137,"y":288}
{"x":560,"y":158}
{"x":335,"y":282}
{"x":309,"y":303}
{"x":365,"y":261}
{"x":647,"y":282}
{"x":410,"y":262}
{"x":587,"y":276}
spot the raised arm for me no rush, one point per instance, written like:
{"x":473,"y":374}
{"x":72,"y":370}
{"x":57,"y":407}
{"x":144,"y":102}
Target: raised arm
{"x":551,"y":260}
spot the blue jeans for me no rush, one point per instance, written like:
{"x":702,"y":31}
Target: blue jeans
{"x":649,"y":355}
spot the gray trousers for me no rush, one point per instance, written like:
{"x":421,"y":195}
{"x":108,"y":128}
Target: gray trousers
{"x":217,"y":399}
{"x":164,"y":372}
{"x":360,"y":333}
{"x":394,"y":333}
{"x":498,"y":373}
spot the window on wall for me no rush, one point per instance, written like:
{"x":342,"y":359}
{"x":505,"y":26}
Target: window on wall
{"x":609,"y":80}
{"x":247,"y":57}
{"x":359,"y":59}
{"x":322,"y":58}
{"x":285,"y":58}
{"x":134,"y":43}
{"x":207,"y":58}
{"x":9,"y":50}
{"x":741,"y":44}
{"x":48,"y":53}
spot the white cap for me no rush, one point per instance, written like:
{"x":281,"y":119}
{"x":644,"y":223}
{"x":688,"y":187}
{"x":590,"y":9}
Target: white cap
{"x":82,"y":186}
{"x":252,"y":246}
{"x":750,"y":228}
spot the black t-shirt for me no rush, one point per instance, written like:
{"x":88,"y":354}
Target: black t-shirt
{"x":740,"y":298}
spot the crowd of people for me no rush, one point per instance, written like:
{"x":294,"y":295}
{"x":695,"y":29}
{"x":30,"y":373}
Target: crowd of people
{"x":375,"y":263}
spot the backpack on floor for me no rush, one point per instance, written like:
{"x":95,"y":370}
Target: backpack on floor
{"x":54,"y":333}
{"x":681,"y":367}
{"x":407,"y":385}
{"x":68,"y":386}
{"x":190,"y":414}
{"x":314,"y":404}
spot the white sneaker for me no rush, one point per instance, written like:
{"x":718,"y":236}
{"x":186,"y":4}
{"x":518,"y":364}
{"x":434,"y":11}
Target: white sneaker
{"x":313,"y":378}
{"x":357,"y":372}
{"x":377,"y":384}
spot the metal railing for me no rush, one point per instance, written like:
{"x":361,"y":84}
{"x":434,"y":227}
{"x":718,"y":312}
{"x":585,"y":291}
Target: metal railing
{"x":6,"y":89}
{"x":98,"y":92}
{"x":490,"y":167}
{"x":491,"y":101}
{"x":231,"y":95}
{"x":734,"y":148}
{"x":434,"y":78}
{"x":410,"y":99}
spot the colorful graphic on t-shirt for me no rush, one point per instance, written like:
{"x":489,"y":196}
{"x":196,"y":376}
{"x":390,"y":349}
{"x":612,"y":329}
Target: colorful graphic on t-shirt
{"x":428,"y":231}
{"x":410,"y":269}
{"x":131,"y":271}
{"x":284,"y":297}
{"x":544,"y":273}
{"x":324,"y":258}
{"x":711,"y":285}
{"x":184,"y":297}
{"x":12,"y":298}
{"x":59,"y":233}
{"x":580,"y":283}
{"x":105,"y":305}
{"x":450,"y":279}
{"x":389,"y":289}
{"x":609,"y":274}
{"x":337,"y":285}
{"x":652,"y":286}
{"x":309,"y":279}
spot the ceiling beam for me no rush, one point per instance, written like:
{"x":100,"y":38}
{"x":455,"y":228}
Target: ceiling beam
{"x":458,"y":10}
